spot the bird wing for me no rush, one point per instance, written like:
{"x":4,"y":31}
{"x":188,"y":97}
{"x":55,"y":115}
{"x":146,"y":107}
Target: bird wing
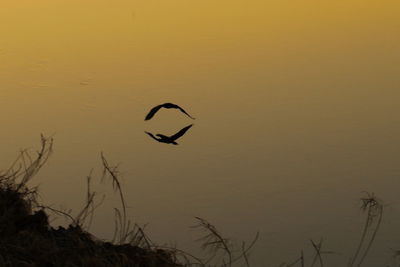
{"x":181,"y":109}
{"x":152,"y":136}
{"x":152,"y":112}
{"x":181,"y":132}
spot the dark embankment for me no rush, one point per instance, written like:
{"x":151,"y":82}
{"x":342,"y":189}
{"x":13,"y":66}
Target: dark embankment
{"x":27,"y":239}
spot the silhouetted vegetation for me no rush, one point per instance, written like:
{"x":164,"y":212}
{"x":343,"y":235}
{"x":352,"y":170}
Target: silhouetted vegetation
{"x":27,"y":238}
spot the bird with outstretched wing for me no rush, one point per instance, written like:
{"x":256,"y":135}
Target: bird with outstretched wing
{"x":154,"y":110}
{"x":170,"y":139}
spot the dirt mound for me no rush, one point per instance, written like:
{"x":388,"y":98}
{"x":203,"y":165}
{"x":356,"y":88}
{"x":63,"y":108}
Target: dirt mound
{"x":27,"y":239}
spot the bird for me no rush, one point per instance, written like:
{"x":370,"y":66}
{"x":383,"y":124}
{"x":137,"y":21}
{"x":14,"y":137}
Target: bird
{"x":154,"y":110}
{"x":170,"y":139}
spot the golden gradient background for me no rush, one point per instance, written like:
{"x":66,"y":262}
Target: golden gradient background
{"x":297,"y":107}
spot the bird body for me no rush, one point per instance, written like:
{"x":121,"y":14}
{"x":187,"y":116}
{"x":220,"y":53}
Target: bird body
{"x":170,"y":139}
{"x":154,"y":110}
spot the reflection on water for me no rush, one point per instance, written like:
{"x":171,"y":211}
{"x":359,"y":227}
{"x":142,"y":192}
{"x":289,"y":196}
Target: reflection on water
{"x":170,"y":139}
{"x":161,"y":137}
{"x":297,"y":103}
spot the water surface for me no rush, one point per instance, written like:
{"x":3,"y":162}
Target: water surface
{"x":296,"y":105}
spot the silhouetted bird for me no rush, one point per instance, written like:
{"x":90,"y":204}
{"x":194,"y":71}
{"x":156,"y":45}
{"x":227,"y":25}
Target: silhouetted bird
{"x":170,"y":139}
{"x":154,"y":110}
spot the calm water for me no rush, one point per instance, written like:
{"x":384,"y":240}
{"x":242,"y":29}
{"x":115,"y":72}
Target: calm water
{"x":296,"y":105}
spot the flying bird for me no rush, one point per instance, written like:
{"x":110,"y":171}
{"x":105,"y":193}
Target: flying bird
{"x":170,"y":139}
{"x":154,"y":110}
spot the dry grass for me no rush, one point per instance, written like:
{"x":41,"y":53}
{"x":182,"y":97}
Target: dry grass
{"x":373,"y":218}
{"x":27,"y":238}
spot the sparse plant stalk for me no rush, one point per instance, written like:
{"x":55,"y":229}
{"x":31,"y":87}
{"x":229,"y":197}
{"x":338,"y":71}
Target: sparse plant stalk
{"x":112,"y":171}
{"x":374,"y":209}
